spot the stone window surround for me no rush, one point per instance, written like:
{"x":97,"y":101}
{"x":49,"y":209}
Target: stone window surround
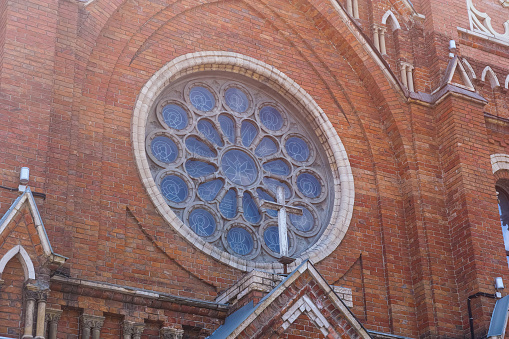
{"x":250,"y":67}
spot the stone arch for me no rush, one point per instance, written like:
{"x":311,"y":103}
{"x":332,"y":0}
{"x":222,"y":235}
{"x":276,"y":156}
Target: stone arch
{"x":392,"y":19}
{"x":488,"y":73}
{"x":23,"y":257}
{"x":469,"y":69}
{"x":499,"y":162}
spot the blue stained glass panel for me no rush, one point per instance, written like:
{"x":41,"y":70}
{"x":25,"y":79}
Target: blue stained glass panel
{"x":271,"y":118}
{"x":236,"y":100}
{"x":248,"y":133}
{"x":297,"y":148}
{"x":198,"y":169}
{"x":208,"y":191}
{"x":265,"y":196}
{"x":271,"y":237}
{"x":240,"y":240}
{"x":239,"y":167}
{"x":304,"y":222}
{"x":174,"y":188}
{"x":309,"y":185}
{"x":202,"y":98}
{"x":199,"y":147}
{"x":202,"y":222}
{"x":278,"y":167}
{"x":175,"y":116}
{"x":228,"y":127}
{"x":266,"y":147}
{"x":251,"y":212}
{"x":272,"y":184}
{"x":164,"y":149}
{"x":228,"y":206}
{"x":210,"y":132}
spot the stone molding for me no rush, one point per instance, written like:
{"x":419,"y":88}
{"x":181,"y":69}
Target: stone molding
{"x":345,"y":294}
{"x":250,"y":67}
{"x":171,"y":333}
{"x":499,"y":162}
{"x":253,"y":281}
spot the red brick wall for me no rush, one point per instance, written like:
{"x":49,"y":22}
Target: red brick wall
{"x":11,"y":300}
{"x":424,"y":208}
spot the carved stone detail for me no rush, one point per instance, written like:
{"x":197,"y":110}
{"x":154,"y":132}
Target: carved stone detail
{"x":92,"y":321}
{"x":53,"y":315}
{"x":171,"y":333}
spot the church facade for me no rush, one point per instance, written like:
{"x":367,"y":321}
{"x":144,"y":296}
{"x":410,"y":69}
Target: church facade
{"x":254,"y":169}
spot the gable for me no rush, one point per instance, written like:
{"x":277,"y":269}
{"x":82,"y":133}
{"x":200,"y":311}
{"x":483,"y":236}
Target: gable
{"x":22,"y":235}
{"x":303,"y":299}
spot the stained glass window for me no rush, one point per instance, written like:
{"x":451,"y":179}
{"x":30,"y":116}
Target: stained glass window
{"x":271,"y":237}
{"x":271,"y":118}
{"x":164,"y":149}
{"x":236,"y":100}
{"x":174,"y":188}
{"x":297,"y":149}
{"x":175,"y":116}
{"x":309,"y":185}
{"x":202,"y":222}
{"x":234,"y":157}
{"x":240,"y":241}
{"x":202,"y":99}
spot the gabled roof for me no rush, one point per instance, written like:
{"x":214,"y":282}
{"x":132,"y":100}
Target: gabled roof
{"x":28,"y":198}
{"x":251,"y":314}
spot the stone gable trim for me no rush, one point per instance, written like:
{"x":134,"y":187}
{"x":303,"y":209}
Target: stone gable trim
{"x":250,"y":67}
{"x":28,"y":198}
{"x":307,"y":306}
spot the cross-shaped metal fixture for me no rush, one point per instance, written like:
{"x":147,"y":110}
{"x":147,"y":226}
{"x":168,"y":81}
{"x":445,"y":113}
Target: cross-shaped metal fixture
{"x":282,"y":209}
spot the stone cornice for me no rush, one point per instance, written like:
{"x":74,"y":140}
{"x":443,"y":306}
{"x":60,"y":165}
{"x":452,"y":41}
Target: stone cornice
{"x":135,"y":295}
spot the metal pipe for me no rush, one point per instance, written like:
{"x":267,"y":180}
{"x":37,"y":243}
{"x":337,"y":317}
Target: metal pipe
{"x":470,"y":316}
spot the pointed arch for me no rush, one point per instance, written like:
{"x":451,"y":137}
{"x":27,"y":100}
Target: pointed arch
{"x":23,"y":257}
{"x":394,"y":22}
{"x":488,"y":72}
{"x":506,"y":84}
{"x":469,"y":69}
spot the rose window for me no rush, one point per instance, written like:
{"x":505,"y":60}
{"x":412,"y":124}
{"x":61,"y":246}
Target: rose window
{"x":218,"y":147}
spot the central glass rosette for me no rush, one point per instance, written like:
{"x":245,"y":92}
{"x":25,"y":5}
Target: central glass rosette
{"x":239,"y":167}
{"x":218,"y":148}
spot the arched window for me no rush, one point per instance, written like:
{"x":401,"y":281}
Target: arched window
{"x":503,"y":209}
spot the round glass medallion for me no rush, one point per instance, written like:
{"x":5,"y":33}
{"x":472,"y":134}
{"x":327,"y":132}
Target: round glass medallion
{"x":271,"y":118}
{"x":240,"y":240}
{"x":174,"y":188}
{"x":202,"y":99}
{"x":309,"y":185}
{"x":175,"y":116}
{"x":164,"y":149}
{"x":202,"y":222}
{"x":236,"y":100}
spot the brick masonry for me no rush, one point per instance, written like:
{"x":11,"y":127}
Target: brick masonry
{"x":420,"y":234}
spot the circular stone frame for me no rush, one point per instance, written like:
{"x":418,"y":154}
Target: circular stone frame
{"x":291,"y":91}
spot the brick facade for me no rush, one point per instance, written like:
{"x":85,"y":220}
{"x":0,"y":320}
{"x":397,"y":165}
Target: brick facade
{"x":423,"y":233}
